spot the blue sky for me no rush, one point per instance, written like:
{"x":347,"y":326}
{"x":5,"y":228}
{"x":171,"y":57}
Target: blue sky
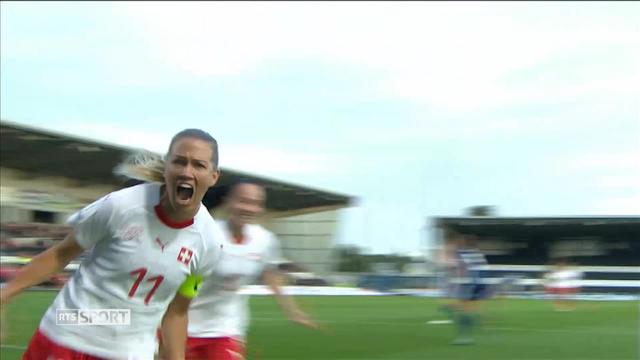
{"x":419,"y":109}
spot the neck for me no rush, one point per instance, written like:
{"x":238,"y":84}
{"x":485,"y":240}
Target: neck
{"x":236,"y":230}
{"x":173,"y":214}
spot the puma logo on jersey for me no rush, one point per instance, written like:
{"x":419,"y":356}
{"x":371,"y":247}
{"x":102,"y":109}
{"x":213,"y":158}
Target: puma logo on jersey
{"x":160,"y":243}
{"x":184,"y":256}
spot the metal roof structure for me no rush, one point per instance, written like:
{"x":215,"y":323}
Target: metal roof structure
{"x":560,"y":224}
{"x":47,"y":153}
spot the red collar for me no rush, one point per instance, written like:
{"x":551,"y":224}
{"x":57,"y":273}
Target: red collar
{"x":239,"y":239}
{"x":170,"y":223}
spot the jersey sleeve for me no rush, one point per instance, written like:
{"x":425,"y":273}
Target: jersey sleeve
{"x":212,"y":235}
{"x":273,"y":255}
{"x":91,"y":223}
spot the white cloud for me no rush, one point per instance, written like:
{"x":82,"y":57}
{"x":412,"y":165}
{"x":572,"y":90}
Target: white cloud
{"x":465,"y":61}
{"x":104,"y":131}
{"x":273,"y":161}
{"x":611,"y":178}
{"x":628,"y":181}
{"x":626,"y":160}
{"x":627,"y":205}
{"x":451,"y":55}
{"x":256,"y":159}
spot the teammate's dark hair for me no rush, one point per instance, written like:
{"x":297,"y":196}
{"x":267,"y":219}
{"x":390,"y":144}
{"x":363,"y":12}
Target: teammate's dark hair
{"x":218,"y":194}
{"x":451,"y":233}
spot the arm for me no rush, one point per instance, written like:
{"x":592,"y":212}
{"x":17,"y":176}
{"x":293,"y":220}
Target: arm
{"x":174,"y":328}
{"x":274,"y":279}
{"x":42,"y":267}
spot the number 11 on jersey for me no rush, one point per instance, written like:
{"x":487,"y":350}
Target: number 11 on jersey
{"x":142,"y":272}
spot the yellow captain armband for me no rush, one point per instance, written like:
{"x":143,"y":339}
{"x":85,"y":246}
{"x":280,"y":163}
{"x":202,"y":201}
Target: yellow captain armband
{"x":190,"y":286}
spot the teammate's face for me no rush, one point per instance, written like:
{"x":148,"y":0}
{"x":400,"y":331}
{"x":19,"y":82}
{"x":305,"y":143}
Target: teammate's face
{"x":246,"y":203}
{"x":188,"y":174}
{"x":457,"y":241}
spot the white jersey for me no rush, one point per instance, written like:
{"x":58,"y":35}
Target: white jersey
{"x":138,"y":259}
{"x":565,"y":278}
{"x":219,"y":310}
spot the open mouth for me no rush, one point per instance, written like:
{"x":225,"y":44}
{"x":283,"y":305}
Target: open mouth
{"x":184,"y":193}
{"x":247,"y":216}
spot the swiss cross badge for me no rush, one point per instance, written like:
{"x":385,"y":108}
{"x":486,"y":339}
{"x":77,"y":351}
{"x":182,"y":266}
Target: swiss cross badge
{"x":184,"y":256}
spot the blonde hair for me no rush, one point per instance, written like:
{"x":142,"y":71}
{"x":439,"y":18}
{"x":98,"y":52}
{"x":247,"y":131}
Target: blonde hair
{"x":143,"y":166}
{"x":149,"y":167}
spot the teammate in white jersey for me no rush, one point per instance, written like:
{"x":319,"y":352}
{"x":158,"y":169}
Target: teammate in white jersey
{"x":562,"y":282}
{"x":142,"y":242}
{"x":219,"y":314}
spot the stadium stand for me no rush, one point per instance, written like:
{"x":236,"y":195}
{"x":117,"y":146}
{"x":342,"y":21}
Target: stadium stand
{"x":605,"y":249}
{"x":48,"y":175}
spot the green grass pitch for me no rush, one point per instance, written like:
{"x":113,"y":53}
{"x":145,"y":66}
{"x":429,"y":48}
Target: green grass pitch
{"x":396,"y":328}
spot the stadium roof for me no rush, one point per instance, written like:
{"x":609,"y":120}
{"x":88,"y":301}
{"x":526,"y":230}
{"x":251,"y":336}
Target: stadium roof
{"x":536,"y":221}
{"x":87,"y":161}
{"x":577,"y":224}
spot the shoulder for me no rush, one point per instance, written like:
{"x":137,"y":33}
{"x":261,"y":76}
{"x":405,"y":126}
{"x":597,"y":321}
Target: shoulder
{"x":259,"y":233}
{"x":209,"y":229}
{"x":203,"y":221}
{"x":133,"y":196}
{"x":207,"y":243}
{"x":136,"y":190}
{"x":221,"y":223}
{"x":108,"y":205}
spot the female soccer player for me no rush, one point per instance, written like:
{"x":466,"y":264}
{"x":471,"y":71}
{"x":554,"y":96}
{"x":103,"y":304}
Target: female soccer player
{"x":219,"y":314}
{"x":448,"y":263}
{"x":563,"y":283}
{"x":143,"y":242}
{"x":471,"y":287}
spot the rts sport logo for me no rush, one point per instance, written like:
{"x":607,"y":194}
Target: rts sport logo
{"x":83,"y":317}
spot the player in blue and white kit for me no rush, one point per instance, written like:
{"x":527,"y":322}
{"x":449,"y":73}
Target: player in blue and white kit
{"x":471,"y":287}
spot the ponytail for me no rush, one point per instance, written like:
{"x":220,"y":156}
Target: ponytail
{"x":143,"y":166}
